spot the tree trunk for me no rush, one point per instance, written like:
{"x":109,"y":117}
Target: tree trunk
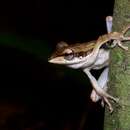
{"x":119,"y":74}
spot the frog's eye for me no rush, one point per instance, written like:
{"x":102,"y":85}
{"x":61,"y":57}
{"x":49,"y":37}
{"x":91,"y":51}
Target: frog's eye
{"x":68,"y":54}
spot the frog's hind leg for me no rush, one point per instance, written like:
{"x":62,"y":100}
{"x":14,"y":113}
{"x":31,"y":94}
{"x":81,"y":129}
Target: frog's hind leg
{"x":100,"y":91}
{"x":102,"y":82}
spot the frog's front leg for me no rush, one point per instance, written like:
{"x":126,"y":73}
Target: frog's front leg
{"x":102,"y":93}
{"x":109,"y":20}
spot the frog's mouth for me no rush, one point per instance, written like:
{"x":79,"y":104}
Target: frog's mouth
{"x":75,"y":60}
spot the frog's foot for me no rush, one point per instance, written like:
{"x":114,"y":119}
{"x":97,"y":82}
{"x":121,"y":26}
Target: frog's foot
{"x":104,"y":100}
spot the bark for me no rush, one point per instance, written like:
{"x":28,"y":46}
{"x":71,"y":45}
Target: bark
{"x":119,"y":85}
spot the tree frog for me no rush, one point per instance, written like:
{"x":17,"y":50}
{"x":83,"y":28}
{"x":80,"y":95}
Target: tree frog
{"x":92,"y":55}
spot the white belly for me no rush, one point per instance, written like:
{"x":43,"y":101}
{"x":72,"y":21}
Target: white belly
{"x":101,"y":61}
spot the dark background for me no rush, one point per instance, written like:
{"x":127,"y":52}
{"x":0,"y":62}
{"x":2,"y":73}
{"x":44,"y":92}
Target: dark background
{"x":39,"y":94}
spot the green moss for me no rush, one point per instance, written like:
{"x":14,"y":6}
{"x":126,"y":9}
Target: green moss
{"x":120,"y":73}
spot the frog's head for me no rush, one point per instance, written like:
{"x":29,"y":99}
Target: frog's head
{"x":70,"y":54}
